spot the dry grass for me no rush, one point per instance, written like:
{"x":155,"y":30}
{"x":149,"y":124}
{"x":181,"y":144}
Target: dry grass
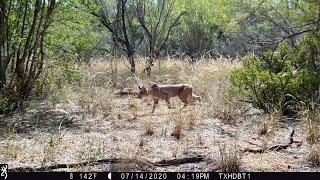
{"x":178,"y":125}
{"x":94,"y":94}
{"x":12,"y":149}
{"x":177,"y":131}
{"x":91,"y":150}
{"x":141,"y":142}
{"x":312,"y":132}
{"x":269,"y":123}
{"x":133,"y":105}
{"x":191,"y":119}
{"x":91,"y":91}
{"x":94,"y":90}
{"x":131,"y":165}
{"x":7,"y":129}
{"x":264,"y":128}
{"x":174,"y":152}
{"x":311,"y":120}
{"x":148,"y":129}
{"x":106,"y":125}
{"x":51,"y":149}
{"x":200,"y":140}
{"x":229,"y":159}
{"x":314,"y":156}
{"x":210,"y":79}
{"x":164,"y":131}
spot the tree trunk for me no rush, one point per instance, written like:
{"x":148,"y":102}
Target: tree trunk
{"x":131,"y":61}
{"x":129,"y":46}
{"x":149,"y":65}
{"x":24,"y":57}
{"x":2,"y":36}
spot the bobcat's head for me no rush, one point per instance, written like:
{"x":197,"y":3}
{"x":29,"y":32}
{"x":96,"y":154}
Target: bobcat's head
{"x":142,"y":92}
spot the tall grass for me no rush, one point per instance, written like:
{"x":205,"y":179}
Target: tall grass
{"x":230,"y":158}
{"x":94,"y":84}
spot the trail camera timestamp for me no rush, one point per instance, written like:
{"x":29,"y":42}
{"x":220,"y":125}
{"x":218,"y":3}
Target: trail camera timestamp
{"x":192,"y":176}
{"x":142,"y":175}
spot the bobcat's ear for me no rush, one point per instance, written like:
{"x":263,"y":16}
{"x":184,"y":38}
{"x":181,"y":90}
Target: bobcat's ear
{"x":139,"y":87}
{"x":154,"y":85}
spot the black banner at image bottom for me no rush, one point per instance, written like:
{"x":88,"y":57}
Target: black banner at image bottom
{"x":160,"y":175}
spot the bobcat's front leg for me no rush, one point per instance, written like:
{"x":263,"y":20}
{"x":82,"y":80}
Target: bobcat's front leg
{"x":155,"y":103}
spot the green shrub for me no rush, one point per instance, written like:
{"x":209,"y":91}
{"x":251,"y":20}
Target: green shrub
{"x":285,"y":79}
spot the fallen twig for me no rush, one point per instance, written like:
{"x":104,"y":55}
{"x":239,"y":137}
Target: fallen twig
{"x":171,"y":162}
{"x":276,"y":147}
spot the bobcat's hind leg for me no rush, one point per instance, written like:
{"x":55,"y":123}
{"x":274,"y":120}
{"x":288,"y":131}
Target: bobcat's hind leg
{"x":168,"y":103}
{"x":185,"y":103}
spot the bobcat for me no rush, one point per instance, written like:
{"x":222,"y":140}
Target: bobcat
{"x":165,"y":92}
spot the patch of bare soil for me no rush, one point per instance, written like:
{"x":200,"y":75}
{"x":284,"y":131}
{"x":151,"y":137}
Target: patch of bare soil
{"x":64,"y":137}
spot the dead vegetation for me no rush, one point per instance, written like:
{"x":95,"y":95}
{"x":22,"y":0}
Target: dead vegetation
{"x":314,"y":156}
{"x":229,"y":158}
{"x":148,"y":129}
{"x":98,"y":120}
{"x":177,"y":130}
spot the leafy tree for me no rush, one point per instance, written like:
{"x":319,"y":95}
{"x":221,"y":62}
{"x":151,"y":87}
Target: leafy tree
{"x":265,"y":23}
{"x":24,"y":25}
{"x":73,"y":34}
{"x":204,"y":25}
{"x":287,"y":73}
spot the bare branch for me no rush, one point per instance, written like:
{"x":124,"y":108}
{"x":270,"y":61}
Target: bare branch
{"x":175,"y":23}
{"x":288,"y":36}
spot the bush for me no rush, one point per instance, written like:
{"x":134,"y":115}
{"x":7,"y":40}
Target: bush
{"x":55,"y":76}
{"x":285,"y":79}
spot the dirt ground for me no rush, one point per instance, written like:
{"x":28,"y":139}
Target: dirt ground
{"x":63,"y":133}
